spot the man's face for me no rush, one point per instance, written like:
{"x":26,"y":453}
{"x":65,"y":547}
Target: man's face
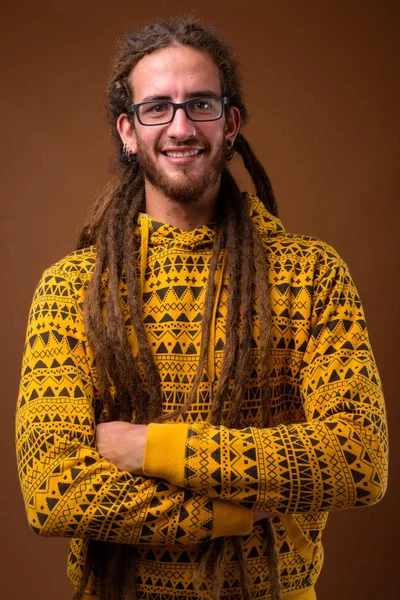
{"x":177,"y":73}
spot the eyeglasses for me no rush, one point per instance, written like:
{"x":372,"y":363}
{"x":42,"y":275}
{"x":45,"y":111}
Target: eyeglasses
{"x":206,"y":108}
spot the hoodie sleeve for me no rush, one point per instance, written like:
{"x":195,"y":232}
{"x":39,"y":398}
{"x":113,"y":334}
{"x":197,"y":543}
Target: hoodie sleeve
{"x":337,"y":458}
{"x":69,"y":489}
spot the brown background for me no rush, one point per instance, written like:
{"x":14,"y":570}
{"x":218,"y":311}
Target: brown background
{"x":322,"y":86}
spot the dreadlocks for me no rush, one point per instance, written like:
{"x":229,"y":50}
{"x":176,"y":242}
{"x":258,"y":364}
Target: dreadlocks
{"x":110,"y":227}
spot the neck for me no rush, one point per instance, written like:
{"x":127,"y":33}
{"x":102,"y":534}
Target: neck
{"x":185,"y":216}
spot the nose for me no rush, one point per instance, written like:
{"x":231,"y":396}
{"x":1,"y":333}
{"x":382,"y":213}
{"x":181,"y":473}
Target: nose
{"x":181,"y":127}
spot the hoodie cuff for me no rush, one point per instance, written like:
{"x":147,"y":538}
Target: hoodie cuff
{"x":164,"y":454}
{"x":164,"y":458}
{"x":231,"y":519}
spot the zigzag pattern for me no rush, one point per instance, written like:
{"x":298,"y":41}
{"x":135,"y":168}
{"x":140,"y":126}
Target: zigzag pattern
{"x":327,"y":449}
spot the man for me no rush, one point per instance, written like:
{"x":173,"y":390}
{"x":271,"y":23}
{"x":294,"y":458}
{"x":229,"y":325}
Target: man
{"x":198,"y":387}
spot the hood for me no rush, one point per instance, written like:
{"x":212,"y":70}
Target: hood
{"x":157,"y":233}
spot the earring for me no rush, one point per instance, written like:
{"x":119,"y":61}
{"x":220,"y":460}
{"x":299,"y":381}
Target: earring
{"x":127,"y":153}
{"x":231,"y":150}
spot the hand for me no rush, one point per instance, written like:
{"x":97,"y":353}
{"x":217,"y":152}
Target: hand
{"x":122,"y":444}
{"x":259,"y":515}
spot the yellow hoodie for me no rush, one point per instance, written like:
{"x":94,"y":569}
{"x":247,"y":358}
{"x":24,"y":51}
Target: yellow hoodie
{"x":327,"y":448}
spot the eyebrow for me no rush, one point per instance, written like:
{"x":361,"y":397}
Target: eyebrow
{"x":196,"y":94}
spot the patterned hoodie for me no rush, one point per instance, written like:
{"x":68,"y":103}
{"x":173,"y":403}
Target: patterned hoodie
{"x":326,"y":449}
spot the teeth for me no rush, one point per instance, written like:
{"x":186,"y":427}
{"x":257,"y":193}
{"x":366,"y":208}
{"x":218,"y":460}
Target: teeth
{"x":182,"y":154}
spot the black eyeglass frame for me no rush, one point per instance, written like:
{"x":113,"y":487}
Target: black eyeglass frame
{"x":134,"y":108}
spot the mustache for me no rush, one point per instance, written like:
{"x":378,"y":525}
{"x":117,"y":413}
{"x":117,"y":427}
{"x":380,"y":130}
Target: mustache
{"x":192,"y":143}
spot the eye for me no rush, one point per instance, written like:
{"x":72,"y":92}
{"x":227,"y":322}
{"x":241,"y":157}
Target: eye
{"x":154,"y":108}
{"x":201,"y":105}
{"x":158,"y":108}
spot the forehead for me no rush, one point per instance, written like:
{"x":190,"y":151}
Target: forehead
{"x":175,"y":71}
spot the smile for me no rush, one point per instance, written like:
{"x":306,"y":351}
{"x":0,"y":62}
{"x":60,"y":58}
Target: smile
{"x":182,"y":154}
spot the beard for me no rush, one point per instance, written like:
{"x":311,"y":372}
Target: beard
{"x":187,"y":188}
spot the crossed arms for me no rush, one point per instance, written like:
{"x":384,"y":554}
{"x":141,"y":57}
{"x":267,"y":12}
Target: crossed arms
{"x":200,"y":481}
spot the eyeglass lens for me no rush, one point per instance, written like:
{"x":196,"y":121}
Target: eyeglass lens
{"x":199,"y":109}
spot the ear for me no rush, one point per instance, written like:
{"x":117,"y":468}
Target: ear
{"x":232,"y":124}
{"x":127,"y":132}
